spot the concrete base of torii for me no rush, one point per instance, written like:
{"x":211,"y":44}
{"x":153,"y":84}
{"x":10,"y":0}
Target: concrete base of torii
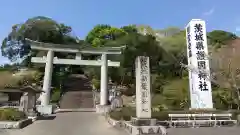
{"x":45,"y":109}
{"x":103,"y":109}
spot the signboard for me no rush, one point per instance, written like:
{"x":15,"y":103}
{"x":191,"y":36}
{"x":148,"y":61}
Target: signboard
{"x":143,"y":95}
{"x":197,"y":51}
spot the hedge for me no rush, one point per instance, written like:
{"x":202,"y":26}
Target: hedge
{"x":11,"y":114}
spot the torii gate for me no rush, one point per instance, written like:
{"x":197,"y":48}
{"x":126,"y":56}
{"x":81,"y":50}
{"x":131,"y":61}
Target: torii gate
{"x":49,"y":60}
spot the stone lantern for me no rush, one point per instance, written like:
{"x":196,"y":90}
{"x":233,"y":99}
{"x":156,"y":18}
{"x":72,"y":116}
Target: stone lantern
{"x":28,"y":100}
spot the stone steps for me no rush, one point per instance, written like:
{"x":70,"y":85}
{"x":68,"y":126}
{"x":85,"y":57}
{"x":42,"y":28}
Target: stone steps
{"x":77,"y":100}
{"x":77,"y":94}
{"x":75,"y":110}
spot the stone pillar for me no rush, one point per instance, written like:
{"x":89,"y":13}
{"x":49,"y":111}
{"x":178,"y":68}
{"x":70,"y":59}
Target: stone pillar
{"x":199,"y":82}
{"x":45,"y":97}
{"x":24,"y":102}
{"x":143,"y":84}
{"x":78,"y":56}
{"x":104,"y":80}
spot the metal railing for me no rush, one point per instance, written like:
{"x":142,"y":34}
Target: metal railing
{"x":198,"y":120}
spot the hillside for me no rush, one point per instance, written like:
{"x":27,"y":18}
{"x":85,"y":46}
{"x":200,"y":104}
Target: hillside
{"x":18,"y":78}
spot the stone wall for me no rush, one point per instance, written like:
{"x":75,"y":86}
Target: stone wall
{"x":15,"y":124}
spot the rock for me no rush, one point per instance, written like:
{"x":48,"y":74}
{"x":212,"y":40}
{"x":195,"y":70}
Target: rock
{"x":117,"y":102}
{"x":238,"y":119}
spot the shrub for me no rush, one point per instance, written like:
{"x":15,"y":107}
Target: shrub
{"x":11,"y":114}
{"x":124,"y":114}
{"x":127,"y":112}
{"x":116,"y":115}
{"x":96,"y":83}
{"x":235,"y":114}
{"x":56,"y":95}
{"x":130,"y":91}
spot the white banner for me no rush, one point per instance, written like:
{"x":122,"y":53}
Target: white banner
{"x":197,"y":51}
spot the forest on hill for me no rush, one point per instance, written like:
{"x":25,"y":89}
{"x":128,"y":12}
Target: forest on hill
{"x":166,"y":49}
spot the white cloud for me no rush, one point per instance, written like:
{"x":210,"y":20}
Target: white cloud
{"x":209,"y":12}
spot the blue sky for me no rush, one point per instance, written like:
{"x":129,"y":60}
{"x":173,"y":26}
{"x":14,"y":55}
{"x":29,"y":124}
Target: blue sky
{"x":83,"y":15}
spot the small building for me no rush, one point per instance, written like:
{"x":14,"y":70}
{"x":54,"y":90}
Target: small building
{"x":14,"y":94}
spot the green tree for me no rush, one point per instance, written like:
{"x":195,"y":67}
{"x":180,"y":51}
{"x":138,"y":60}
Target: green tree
{"x":220,"y":37}
{"x":42,"y":29}
{"x":137,"y":45}
{"x":176,"y":93}
{"x":102,"y":33}
{"x":172,"y":41}
{"x":145,"y":29}
{"x":174,"y":47}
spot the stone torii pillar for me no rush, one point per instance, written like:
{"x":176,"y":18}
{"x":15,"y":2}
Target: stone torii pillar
{"x":45,"y":97}
{"x":104,"y":80}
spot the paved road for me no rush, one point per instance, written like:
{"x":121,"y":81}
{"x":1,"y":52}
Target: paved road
{"x":71,"y":123}
{"x":205,"y":131}
{"x":90,"y":123}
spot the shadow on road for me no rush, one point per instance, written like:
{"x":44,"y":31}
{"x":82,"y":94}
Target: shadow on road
{"x":75,"y":111}
{"x":46,"y":118}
